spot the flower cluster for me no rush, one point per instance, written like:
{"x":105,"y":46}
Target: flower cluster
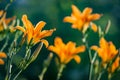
{"x":103,"y":58}
{"x":107,"y":52}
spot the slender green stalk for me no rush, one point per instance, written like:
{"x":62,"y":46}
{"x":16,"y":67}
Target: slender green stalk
{"x":89,"y":54}
{"x":100,"y":75}
{"x":94,"y":57}
{"x":89,"y":51}
{"x":42,"y":74}
{"x":9,"y":68}
{"x":90,"y":57}
{"x":17,"y":75}
{"x":46,"y":64}
{"x":6,"y":43}
{"x":90,"y":73}
{"x":62,"y":66}
{"x":12,"y":52}
{"x":87,"y":46}
{"x":109,"y":76}
{"x":28,"y":53}
{"x":91,"y":65}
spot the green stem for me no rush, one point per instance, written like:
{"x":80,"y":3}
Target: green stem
{"x":28,"y":53}
{"x":94,"y":57}
{"x":6,"y":43}
{"x":17,"y":75}
{"x":100,"y":75}
{"x":92,"y":60}
{"x":109,"y":76}
{"x":62,"y":66}
{"x":8,"y":75}
{"x":46,"y":64}
{"x":87,"y":46}
{"x":42,"y":74}
{"x":89,"y":54}
{"x":90,"y":73}
{"x":91,"y":65}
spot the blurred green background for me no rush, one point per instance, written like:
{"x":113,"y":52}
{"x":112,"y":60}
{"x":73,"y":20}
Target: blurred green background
{"x":53,"y":12}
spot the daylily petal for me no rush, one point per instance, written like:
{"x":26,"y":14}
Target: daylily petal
{"x":77,"y":58}
{"x":20,"y":28}
{"x":85,"y":27}
{"x":80,"y":49}
{"x":94,"y":48}
{"x":46,"y":33}
{"x":76,"y":11}
{"x":115,"y":65}
{"x":3,"y":55}
{"x":29,"y":37}
{"x":29,"y":28}
{"x":112,"y":48}
{"x":78,"y":24}
{"x":54,"y":49}
{"x":62,"y":57}
{"x":70,"y":45}
{"x":1,"y":12}
{"x":68,"y":59}
{"x":27,"y":23}
{"x":69,"y":19}
{"x":45,"y":42}
{"x":1,"y":27}
{"x":94,"y":17}
{"x":36,"y":40}
{"x":103,"y":43}
{"x":8,"y":20}
{"x":58,"y":42}
{"x":3,"y":18}
{"x":39,"y":26}
{"x":1,"y":62}
{"x":87,"y":11}
{"x":94,"y":27}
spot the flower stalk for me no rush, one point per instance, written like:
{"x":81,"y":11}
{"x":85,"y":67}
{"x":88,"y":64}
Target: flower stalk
{"x":61,"y":68}
{"x":45,"y":66}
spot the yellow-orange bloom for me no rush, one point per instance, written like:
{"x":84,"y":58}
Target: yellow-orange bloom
{"x":4,"y":20}
{"x":81,"y":20}
{"x":66,"y":52}
{"x":34,"y":35}
{"x":107,"y":50}
{"x":2,"y":55}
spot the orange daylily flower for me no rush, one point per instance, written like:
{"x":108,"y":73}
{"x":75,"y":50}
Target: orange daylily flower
{"x":34,"y":35}
{"x":107,"y":50}
{"x":2,"y":55}
{"x":66,"y":52}
{"x":81,"y":20}
{"x":4,"y":20}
